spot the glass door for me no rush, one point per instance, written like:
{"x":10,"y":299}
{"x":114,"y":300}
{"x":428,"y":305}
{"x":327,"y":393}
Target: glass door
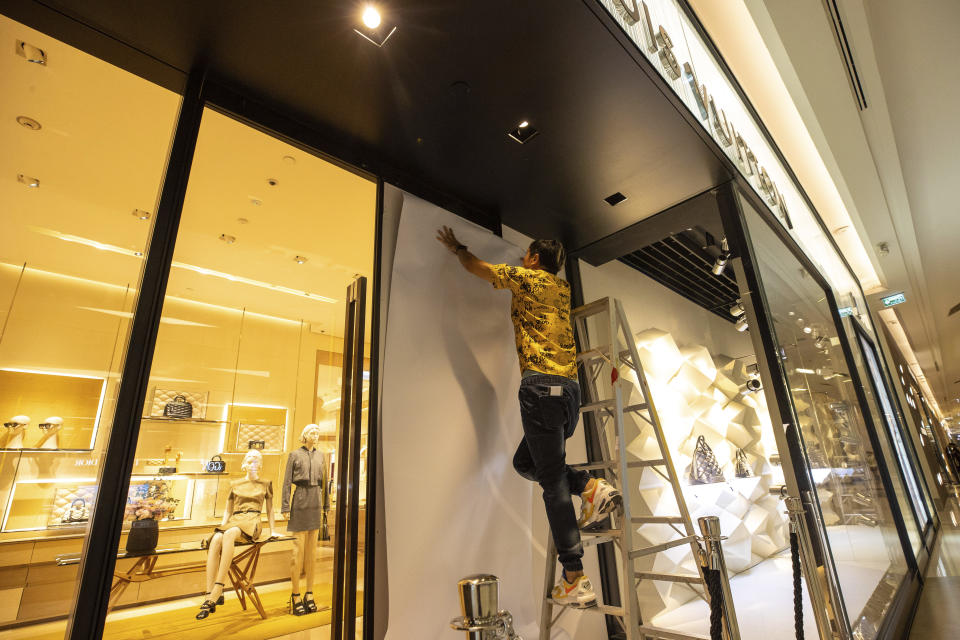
{"x":232,"y":503}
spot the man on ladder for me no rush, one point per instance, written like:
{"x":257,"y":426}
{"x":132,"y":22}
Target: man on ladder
{"x":549,"y":401}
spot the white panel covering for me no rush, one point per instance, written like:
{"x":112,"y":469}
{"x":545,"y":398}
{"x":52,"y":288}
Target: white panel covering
{"x":451,"y":423}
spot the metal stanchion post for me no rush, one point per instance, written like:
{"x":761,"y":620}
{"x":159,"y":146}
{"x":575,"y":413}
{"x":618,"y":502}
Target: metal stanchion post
{"x":798,"y":525}
{"x":710,"y":530}
{"x":482,"y":618}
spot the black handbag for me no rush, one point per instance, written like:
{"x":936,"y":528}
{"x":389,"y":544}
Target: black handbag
{"x":256,"y":444}
{"x":742,"y":465}
{"x":178,"y":408}
{"x":705,"y":469}
{"x":215,"y":465}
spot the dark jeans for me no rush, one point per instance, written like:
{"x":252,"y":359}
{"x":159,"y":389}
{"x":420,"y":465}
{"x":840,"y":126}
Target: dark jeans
{"x":549,"y":409}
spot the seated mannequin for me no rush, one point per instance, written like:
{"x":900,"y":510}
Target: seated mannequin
{"x":304,"y":471}
{"x":13,"y":432}
{"x":241,"y":521}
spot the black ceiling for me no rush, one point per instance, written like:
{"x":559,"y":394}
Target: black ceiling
{"x":438,"y":100}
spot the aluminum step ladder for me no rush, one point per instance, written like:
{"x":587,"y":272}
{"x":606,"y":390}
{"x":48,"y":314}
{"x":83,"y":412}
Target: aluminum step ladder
{"x":603,"y":397}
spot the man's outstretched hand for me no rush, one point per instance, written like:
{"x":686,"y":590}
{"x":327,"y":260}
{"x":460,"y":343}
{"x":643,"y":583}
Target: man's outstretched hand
{"x":446,"y":237}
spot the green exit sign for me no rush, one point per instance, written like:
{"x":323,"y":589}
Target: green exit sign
{"x":897,"y":298}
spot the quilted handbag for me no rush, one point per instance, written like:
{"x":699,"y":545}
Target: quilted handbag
{"x":215,"y":465}
{"x":705,"y":468}
{"x":178,"y":408}
{"x":272,"y":435}
{"x":256,"y":444}
{"x":742,"y":465}
{"x":78,"y":511}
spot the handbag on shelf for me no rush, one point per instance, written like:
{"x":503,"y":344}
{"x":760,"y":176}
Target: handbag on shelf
{"x":215,"y":465}
{"x":256,"y":444}
{"x":742,"y":465}
{"x":178,"y":408}
{"x":705,"y":469}
{"x":78,"y":511}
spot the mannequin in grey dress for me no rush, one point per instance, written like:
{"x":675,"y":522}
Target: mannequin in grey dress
{"x":305,"y":472}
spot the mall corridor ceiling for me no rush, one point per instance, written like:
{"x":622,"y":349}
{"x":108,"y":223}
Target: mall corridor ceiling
{"x":437,"y":101}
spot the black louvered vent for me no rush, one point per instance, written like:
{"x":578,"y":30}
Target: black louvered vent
{"x":681,"y":263}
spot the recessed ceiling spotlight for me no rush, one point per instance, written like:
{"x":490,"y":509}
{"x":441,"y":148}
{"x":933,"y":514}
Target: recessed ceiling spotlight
{"x":272,"y":182}
{"x":255,"y":201}
{"x":31,"y":53}
{"x":523,"y":133}
{"x":140,"y":214}
{"x":883,"y":249}
{"x":372,"y":28}
{"x":289,"y":159}
{"x":228,"y":238}
{"x":139,"y":254}
{"x":242,"y":221}
{"x":615,"y":198}
{"x":371,"y":17}
{"x":29,"y":123}
{"x":27,"y":180}
{"x":299,"y":259}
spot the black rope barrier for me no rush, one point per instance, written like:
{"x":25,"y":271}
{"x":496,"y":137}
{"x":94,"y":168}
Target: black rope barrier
{"x":797,"y":588}
{"x":712,"y":577}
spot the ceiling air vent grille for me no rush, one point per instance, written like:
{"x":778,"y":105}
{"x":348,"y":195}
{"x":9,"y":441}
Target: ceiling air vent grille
{"x":680,"y":262}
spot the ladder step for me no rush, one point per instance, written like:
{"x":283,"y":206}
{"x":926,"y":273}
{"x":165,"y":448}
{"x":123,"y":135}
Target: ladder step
{"x":600,"y":352}
{"x":606,"y":610}
{"x":657,"y":519}
{"x":679,"y":542}
{"x":611,"y":404}
{"x":597,"y":536}
{"x":591,"y":466}
{"x":668,"y":577}
{"x":590,"y":309}
{"x":657,"y":633}
{"x":655,"y":462}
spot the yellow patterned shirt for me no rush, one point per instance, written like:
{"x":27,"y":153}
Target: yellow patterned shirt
{"x":540,"y":310}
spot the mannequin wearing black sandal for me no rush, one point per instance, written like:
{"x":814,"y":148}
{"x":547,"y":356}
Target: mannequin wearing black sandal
{"x":210,"y":605}
{"x":296,"y":606}
{"x":304,"y":477}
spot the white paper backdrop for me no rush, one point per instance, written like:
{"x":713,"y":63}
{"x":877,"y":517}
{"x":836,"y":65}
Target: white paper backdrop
{"x":454,"y":505}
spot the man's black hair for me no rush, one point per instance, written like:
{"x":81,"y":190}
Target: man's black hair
{"x":552,"y":255}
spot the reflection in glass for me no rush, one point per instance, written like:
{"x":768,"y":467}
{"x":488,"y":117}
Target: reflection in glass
{"x":856,"y":511}
{"x":94,"y":141}
{"x":249,"y":353}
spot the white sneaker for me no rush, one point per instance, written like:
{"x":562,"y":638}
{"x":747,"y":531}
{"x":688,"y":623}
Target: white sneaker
{"x":598,"y":503}
{"x":578,"y":595}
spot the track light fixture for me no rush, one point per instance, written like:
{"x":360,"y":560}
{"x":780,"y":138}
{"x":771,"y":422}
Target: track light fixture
{"x":738,"y":309}
{"x":741,"y":324}
{"x":720,"y":262}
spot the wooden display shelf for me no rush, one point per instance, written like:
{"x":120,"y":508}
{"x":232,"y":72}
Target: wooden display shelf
{"x":184,"y":420}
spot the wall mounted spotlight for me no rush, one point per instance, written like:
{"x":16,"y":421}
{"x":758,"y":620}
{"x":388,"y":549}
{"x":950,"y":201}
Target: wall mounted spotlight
{"x":372,"y":28}
{"x":33,"y":54}
{"x":741,"y":324}
{"x":27,"y":180}
{"x":523,"y":133}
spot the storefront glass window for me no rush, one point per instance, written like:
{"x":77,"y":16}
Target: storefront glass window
{"x":249,"y":353}
{"x":84,"y":148}
{"x":911,"y":493}
{"x":860,"y":523}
